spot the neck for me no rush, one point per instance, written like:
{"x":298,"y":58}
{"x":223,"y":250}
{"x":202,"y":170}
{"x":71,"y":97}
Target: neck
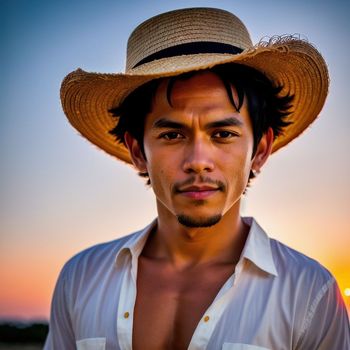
{"x":183,"y":246}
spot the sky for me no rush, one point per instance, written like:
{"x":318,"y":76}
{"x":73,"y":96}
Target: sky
{"x":59,"y":194}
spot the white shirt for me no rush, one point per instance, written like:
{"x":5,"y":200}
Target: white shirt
{"x":277,"y":298}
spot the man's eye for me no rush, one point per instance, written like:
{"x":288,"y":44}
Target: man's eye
{"x":223,"y":134}
{"x":172,"y":135}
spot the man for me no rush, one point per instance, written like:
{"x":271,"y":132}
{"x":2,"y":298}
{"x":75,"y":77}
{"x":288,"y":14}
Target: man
{"x":198,"y":112}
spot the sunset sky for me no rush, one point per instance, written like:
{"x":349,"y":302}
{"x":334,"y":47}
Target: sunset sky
{"x":59,"y":194}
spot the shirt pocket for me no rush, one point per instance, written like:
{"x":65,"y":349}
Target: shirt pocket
{"x":91,"y":344}
{"x":239,"y":346}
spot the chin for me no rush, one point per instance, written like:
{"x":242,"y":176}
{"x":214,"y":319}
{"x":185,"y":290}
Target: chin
{"x":192,"y":222}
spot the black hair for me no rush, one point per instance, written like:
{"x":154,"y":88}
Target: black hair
{"x":266,"y":107}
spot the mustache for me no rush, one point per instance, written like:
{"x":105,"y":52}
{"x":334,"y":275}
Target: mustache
{"x":200,"y":180}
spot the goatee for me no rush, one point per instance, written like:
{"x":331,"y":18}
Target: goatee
{"x":189,"y":221}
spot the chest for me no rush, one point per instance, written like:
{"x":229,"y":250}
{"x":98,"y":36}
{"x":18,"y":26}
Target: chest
{"x":170,"y":304}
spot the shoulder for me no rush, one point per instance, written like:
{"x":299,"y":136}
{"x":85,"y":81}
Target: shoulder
{"x":94,"y":259}
{"x":290,"y":260}
{"x":290,"y":264}
{"x":319,"y":314}
{"x":296,"y":265}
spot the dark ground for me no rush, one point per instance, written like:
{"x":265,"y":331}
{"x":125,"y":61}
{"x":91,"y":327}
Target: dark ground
{"x":10,"y":346}
{"x":22,"y":336}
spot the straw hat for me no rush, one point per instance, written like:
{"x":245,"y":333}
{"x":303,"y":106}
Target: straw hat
{"x":193,"y":39}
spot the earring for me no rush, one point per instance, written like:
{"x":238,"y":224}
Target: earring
{"x":255,"y":172}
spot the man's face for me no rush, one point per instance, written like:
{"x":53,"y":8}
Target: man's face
{"x":198,"y":151}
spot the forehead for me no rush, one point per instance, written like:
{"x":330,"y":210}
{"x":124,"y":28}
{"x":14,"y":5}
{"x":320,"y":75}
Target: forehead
{"x":202,"y":89}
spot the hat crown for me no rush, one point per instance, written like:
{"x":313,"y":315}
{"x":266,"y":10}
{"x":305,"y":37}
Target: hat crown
{"x":180,"y":27}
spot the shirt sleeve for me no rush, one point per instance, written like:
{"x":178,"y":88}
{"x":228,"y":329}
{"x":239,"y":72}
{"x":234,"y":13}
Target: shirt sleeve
{"x":61,"y":335}
{"x":327,"y":324}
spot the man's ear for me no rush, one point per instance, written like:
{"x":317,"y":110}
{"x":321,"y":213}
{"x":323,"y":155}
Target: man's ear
{"x":263,"y":150}
{"x":136,"y":154}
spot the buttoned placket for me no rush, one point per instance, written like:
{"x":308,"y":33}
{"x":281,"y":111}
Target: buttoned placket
{"x":211,"y":317}
{"x":126,"y":307}
{"x":128,"y":291}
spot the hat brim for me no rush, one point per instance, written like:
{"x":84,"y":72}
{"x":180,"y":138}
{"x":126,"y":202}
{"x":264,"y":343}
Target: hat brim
{"x":289,"y":62}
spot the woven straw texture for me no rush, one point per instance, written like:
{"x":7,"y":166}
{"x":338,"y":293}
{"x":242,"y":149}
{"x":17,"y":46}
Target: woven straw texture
{"x":288,"y":61}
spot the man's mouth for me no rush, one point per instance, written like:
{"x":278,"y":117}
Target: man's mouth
{"x":199,"y":192}
{"x":199,"y":188}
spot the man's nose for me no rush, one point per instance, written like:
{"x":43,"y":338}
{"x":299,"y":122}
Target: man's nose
{"x":198,"y":157}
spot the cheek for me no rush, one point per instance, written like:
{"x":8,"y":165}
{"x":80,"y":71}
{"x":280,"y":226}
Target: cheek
{"x":246,"y":155}
{"x":160,"y":172}
{"x":238,"y":165}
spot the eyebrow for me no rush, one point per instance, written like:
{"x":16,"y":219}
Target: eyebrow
{"x":231,"y":121}
{"x":166,"y":123}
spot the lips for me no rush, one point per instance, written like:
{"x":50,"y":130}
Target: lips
{"x":199,"y":192}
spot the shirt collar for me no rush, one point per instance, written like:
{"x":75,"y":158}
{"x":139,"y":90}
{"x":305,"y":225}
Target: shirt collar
{"x":257,"y":248}
{"x":134,"y":244}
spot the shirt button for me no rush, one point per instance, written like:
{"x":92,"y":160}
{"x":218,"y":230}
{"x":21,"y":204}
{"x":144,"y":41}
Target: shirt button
{"x":126,"y":315}
{"x":206,"y":318}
